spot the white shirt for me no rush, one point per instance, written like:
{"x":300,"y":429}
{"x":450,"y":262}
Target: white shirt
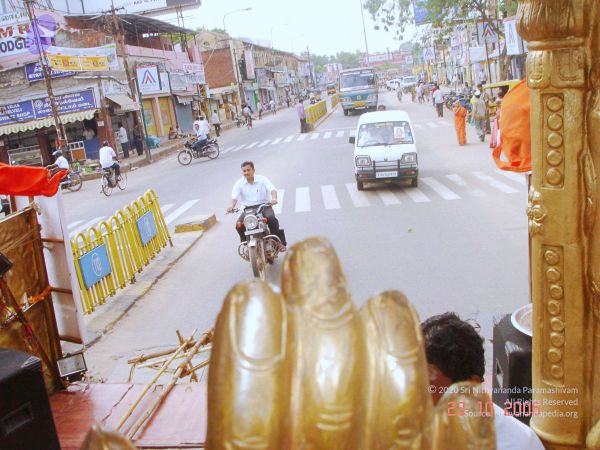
{"x":215,"y":118}
{"x":106,"y":156}
{"x":123,"y":135}
{"x":512,"y":434}
{"x":438,"y":96}
{"x":88,"y":134}
{"x":62,"y":162}
{"x":204,"y":126}
{"x":253,"y":194}
{"x":258,"y":106}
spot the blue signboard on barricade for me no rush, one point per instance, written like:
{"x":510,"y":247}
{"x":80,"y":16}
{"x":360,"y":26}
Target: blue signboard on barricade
{"x":94,"y":266}
{"x":146,"y":227}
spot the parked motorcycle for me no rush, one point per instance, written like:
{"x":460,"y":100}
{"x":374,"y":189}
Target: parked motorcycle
{"x":453,"y":97}
{"x":209,"y":150}
{"x":260,"y":247}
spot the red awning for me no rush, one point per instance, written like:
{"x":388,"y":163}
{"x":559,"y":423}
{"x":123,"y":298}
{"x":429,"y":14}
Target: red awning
{"x":29,"y":181}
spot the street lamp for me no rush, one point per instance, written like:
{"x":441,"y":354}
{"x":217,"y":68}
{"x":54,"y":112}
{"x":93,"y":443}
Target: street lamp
{"x":231,"y":12}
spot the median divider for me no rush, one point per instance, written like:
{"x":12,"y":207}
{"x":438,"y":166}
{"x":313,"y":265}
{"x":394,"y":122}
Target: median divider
{"x":109,"y":255}
{"x":335,"y":99}
{"x":315,"y":112}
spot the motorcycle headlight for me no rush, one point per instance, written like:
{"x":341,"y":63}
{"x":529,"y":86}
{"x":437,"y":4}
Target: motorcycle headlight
{"x":409,"y":158}
{"x":363,"y":161}
{"x":250,"y":222}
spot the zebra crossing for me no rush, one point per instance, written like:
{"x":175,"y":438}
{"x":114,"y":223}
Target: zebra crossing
{"x":305,"y":199}
{"x":322,"y":135}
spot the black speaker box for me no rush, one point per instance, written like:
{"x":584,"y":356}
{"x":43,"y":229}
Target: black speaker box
{"x":512,"y":370}
{"x":26,"y":421}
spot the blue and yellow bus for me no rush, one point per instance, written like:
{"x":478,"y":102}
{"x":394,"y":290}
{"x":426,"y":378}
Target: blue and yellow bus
{"x":358,"y":89}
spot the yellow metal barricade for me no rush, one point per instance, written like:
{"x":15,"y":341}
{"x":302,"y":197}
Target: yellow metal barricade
{"x":335,"y":99}
{"x":315,"y":112}
{"x":126,"y":242}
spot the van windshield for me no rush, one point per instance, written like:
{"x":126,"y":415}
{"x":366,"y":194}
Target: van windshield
{"x":355,"y":80}
{"x":384,"y":133}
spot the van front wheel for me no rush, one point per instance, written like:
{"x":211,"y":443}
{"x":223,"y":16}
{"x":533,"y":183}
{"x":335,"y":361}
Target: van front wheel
{"x":345,"y":112}
{"x":360,"y":185}
{"x":415,"y":182}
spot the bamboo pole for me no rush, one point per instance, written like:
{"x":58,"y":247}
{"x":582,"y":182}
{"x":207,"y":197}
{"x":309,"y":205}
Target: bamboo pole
{"x":196,"y":367}
{"x":161,"y":361}
{"x":189,"y":364}
{"x":156,"y":404}
{"x":153,"y":381}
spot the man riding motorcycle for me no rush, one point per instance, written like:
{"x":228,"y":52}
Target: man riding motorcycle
{"x":253,"y":190}
{"x":60,"y":160}
{"x":201,"y":135}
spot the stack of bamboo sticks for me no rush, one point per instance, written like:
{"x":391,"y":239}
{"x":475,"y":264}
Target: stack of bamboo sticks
{"x":162,"y":361}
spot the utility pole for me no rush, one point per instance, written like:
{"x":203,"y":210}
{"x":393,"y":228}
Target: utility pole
{"x":131,"y":81}
{"x":362,"y":15}
{"x":61,"y":136}
{"x":310,"y":68}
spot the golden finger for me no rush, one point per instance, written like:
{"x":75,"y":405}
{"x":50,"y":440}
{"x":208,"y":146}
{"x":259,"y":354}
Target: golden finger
{"x":248,"y":382}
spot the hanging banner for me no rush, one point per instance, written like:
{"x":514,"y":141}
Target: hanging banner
{"x":514,"y":43}
{"x":148,"y":79}
{"x":249,"y":64}
{"x":97,"y":59}
{"x":195,"y":73}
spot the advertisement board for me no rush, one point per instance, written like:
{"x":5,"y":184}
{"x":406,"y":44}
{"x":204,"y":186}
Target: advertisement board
{"x":83,"y":59}
{"x":250,"y":66}
{"x":514,"y":43}
{"x":33,"y":72}
{"x":421,"y":12}
{"x":148,"y":79}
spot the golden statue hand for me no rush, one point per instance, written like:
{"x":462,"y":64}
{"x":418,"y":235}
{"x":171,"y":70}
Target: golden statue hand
{"x":307,"y":370}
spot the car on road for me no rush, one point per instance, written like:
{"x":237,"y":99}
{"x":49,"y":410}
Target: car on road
{"x":393,"y":84}
{"x":385,"y":149}
{"x":408,"y":83}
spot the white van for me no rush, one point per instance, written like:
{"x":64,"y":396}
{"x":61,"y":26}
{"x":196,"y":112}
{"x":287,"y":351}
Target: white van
{"x":385,"y":149}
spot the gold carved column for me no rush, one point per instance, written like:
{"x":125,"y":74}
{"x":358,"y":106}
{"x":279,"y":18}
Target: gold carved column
{"x":562,"y":218}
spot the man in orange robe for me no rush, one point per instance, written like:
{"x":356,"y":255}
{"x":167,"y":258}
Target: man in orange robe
{"x":460,"y":114}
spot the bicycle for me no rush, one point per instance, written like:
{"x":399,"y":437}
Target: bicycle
{"x":109,"y":181}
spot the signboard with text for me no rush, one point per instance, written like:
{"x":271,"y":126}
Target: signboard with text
{"x":34,"y":72}
{"x":40,"y":108}
{"x":148,"y":79}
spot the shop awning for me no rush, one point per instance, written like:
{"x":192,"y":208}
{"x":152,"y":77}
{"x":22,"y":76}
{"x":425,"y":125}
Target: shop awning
{"x":123,"y":100}
{"x":47,"y":122}
{"x":184,"y":99}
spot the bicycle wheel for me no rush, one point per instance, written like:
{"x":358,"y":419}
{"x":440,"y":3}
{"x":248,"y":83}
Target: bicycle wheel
{"x":185,"y":157}
{"x":122,"y":181}
{"x":106,"y":188}
{"x":213,"y":151}
{"x":75,"y":183}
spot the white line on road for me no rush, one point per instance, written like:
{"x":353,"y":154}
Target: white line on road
{"x":445,"y":124}
{"x":276,"y":141}
{"x":302,"y":199}
{"x":418,"y":126}
{"x":518,"y":177}
{"x":460,"y":181}
{"x":416,"y":195}
{"x":440,"y":189}
{"x":86,"y":225}
{"x":166,"y":207}
{"x":327,"y":135}
{"x":289,"y":139}
{"x":432,"y":125}
{"x":359,"y":198}
{"x":495,"y":183}
{"x":302,"y":137}
{"x":279,"y":206}
{"x":314,"y":136}
{"x":330,"y":199}
{"x":228,"y":149}
{"x":252,"y":145}
{"x":388,"y":197}
{"x":179,"y":211}
{"x":74,"y":224}
{"x":263,"y":143}
{"x":238,"y":148}
{"x":339,"y":133}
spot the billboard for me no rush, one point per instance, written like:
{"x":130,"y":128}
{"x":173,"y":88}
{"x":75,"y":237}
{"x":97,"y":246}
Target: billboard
{"x":514,"y":43}
{"x":83,"y":59}
{"x":148,"y":79}
{"x":421,"y":12}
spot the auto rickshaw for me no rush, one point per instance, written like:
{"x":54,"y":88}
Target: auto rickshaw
{"x":492,"y":90}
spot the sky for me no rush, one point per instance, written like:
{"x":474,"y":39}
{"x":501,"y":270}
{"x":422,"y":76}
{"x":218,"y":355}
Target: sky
{"x":326,"y":26}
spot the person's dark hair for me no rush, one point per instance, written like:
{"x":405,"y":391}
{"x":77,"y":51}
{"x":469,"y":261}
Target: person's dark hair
{"x":454,"y":346}
{"x":248,"y":163}
{"x":105,"y":143}
{"x":120,"y":124}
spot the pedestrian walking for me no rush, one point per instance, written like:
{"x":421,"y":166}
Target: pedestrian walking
{"x":272,"y":105}
{"x":460,"y":122}
{"x":216,"y":122}
{"x":438,"y":100}
{"x":124,"y":140}
{"x":479,"y":115}
{"x":420,"y":96}
{"x":137,"y":140}
{"x":301,"y":116}
{"x":259,"y":108}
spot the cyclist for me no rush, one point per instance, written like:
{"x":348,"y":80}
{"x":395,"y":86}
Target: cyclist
{"x":109,"y":159}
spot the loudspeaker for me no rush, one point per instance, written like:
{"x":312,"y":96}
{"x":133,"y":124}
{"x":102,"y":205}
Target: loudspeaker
{"x":511,"y":380}
{"x":26,"y":420}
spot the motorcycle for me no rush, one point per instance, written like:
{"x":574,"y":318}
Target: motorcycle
{"x":260,"y":247}
{"x":464,"y":101}
{"x":209,"y":150}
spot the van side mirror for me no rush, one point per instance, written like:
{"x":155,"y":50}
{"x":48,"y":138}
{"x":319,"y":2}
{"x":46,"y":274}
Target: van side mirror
{"x":352,"y":139}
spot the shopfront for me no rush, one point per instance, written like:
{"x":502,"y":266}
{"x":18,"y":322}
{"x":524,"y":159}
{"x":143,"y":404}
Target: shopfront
{"x":28,"y":135}
{"x":159,"y":112}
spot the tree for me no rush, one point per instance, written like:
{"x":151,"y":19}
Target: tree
{"x":396,"y":15}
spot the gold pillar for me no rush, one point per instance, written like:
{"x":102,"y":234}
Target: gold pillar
{"x":562,"y":218}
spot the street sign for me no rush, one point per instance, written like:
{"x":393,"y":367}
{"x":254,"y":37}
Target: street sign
{"x":148,"y":79}
{"x":146,"y":227}
{"x":94,"y":266}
